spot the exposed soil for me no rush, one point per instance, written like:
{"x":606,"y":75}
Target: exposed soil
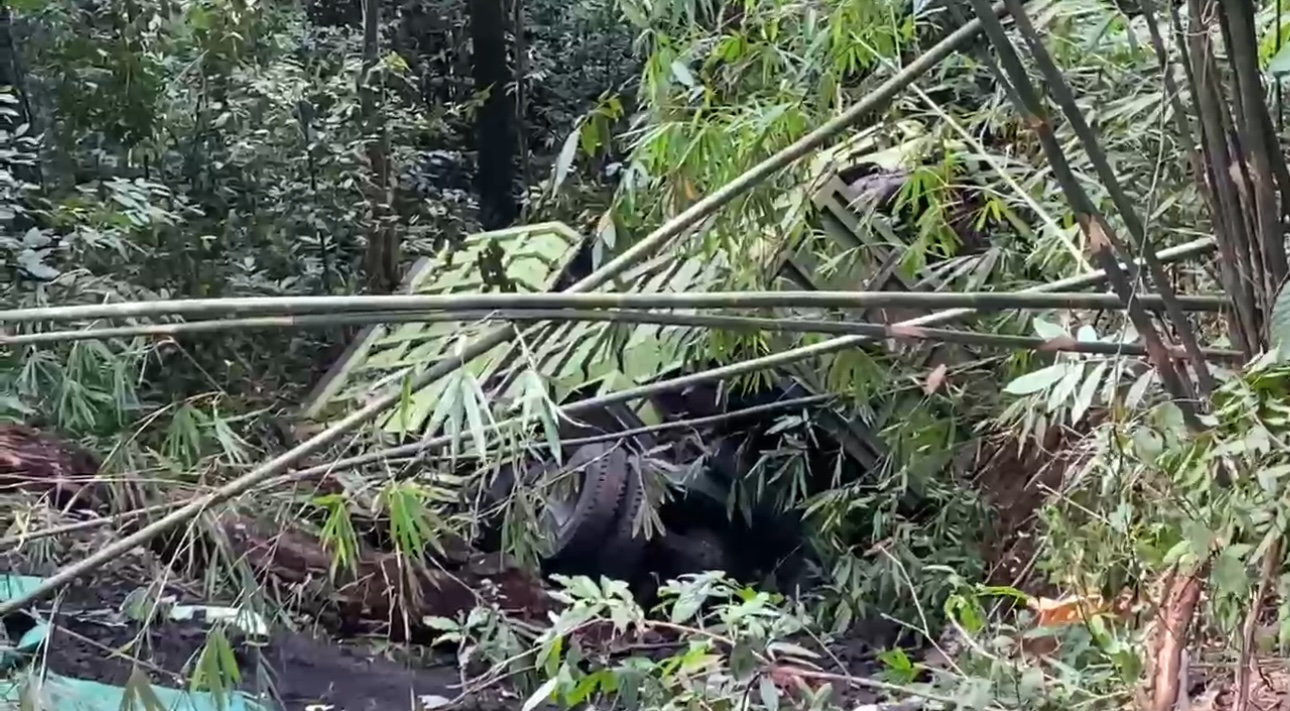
{"x":94,"y":639}
{"x":379,"y":587}
{"x":1016,"y":485}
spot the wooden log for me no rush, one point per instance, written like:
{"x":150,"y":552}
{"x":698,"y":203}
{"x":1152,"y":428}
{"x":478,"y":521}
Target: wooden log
{"x":40,"y":463}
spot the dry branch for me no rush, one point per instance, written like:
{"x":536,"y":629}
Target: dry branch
{"x":381,"y":586}
{"x":35,"y":462}
{"x":1177,"y":606}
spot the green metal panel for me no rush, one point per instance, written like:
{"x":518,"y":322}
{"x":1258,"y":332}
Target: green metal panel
{"x":382,"y":357}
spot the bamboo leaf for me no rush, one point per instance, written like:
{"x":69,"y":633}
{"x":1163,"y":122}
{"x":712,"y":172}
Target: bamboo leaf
{"x":769,"y":694}
{"x":448,"y":410}
{"x":541,"y":695}
{"x":564,"y":161}
{"x":1139,"y":390}
{"x":138,"y":689}
{"x":1066,"y":387}
{"x":1037,"y":381}
{"x":1047,"y":329}
{"x":475,"y":404}
{"x":1087,"y":390}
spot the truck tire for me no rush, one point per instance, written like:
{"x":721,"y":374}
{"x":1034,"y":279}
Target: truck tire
{"x":621,"y":553}
{"x":605,"y":475}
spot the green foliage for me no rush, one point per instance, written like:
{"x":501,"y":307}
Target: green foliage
{"x":730,"y":641}
{"x":1279,"y":321}
{"x":1153,"y":495}
{"x":1093,"y":663}
{"x":1065,"y":392}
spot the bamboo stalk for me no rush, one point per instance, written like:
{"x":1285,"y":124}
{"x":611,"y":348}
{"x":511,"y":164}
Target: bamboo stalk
{"x":713,"y":321}
{"x":648,"y":245}
{"x":1215,"y":188}
{"x":1267,"y":168}
{"x":1060,"y":90}
{"x":720,"y":373}
{"x":451,"y":303}
{"x":1236,"y":243}
{"x":18,"y":539}
{"x":1099,"y":232}
{"x":796,"y":355}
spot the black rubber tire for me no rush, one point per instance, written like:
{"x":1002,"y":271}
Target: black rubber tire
{"x":604,"y":481}
{"x":621,"y":554}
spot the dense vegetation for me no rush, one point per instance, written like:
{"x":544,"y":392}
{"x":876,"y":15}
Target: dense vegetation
{"x":1124,"y":455}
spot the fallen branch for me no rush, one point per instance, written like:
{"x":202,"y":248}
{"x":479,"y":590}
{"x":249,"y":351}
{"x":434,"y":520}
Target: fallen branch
{"x":455,"y":303}
{"x":1271,"y":564}
{"x":35,"y":462}
{"x":1180,"y":597}
{"x":714,"y":321}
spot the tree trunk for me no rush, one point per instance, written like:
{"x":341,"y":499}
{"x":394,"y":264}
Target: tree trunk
{"x":495,"y":127}
{"x":13,"y":76}
{"x":382,"y":241}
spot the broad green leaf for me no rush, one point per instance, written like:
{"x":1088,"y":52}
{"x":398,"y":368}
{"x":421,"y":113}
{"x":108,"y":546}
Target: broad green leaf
{"x":1270,"y":477}
{"x":1176,"y":553}
{"x":1229,"y":574}
{"x":441,"y":624}
{"x":1147,"y":444}
{"x":1087,"y":391}
{"x":1037,"y":381}
{"x":1279,"y":318}
{"x":541,"y":695}
{"x":686,"y":607}
{"x":584,"y":688}
{"x":1279,"y":64}
{"x":564,"y":161}
{"x":899,"y":667}
{"x":1047,"y":329}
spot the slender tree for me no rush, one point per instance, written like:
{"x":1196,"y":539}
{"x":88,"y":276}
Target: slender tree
{"x":495,"y":127}
{"x":382,"y":241}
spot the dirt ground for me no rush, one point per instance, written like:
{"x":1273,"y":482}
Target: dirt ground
{"x":1016,"y":486}
{"x":92,"y":639}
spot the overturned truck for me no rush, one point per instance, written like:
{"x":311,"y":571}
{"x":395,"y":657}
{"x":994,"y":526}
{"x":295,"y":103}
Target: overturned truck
{"x":657,"y":464}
